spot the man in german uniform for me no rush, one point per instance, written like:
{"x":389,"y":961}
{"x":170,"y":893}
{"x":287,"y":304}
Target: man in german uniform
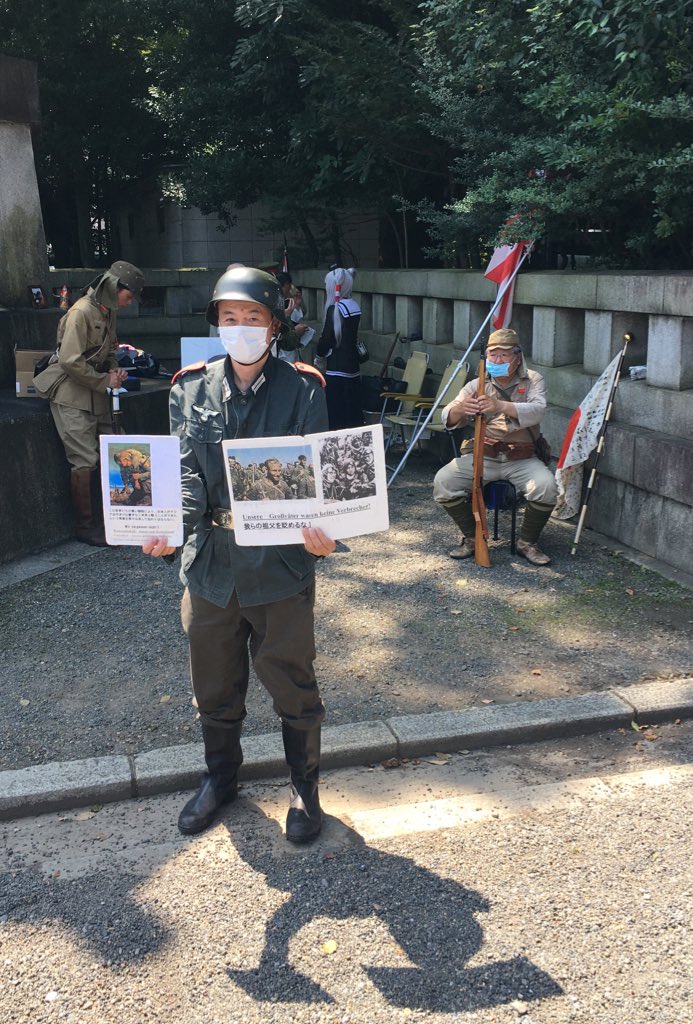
{"x":239,"y":597}
{"x":513,"y":403}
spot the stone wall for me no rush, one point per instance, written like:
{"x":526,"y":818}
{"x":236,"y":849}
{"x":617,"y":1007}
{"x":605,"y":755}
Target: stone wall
{"x":571,"y":325}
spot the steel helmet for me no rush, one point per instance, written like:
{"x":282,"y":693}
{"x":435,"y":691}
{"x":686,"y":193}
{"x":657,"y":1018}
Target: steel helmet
{"x":247,"y":284}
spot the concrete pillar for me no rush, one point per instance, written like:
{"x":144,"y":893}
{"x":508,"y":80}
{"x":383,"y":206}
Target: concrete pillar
{"x":437,"y":321}
{"x":670,"y":352}
{"x":24,"y":261}
{"x":409,"y":315}
{"x":177,"y":301}
{"x":384,"y":313}
{"x":309,"y":303}
{"x":604,"y":338}
{"x":557,"y":336}
{"x":365,"y":301}
{"x":467,"y":318}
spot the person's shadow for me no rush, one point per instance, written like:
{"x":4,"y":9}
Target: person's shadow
{"x":433,"y":919}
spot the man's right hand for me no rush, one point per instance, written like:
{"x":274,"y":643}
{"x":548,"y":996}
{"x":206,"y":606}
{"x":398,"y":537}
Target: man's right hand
{"x":462,"y":408}
{"x":116,"y":378}
{"x":156,"y":547}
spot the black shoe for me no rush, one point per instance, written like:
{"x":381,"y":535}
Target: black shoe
{"x":199,"y":812}
{"x":304,"y":820}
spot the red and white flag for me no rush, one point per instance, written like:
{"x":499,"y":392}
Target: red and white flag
{"x":581,"y":438}
{"x":502,"y":266}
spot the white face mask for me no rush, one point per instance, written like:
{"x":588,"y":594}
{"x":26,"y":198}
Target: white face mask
{"x":244,"y":344}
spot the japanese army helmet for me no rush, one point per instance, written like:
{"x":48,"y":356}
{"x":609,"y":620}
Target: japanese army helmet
{"x":247,"y":284}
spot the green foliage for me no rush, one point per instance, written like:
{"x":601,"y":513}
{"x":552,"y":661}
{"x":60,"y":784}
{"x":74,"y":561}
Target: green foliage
{"x":570,"y":119}
{"x":574,"y":115}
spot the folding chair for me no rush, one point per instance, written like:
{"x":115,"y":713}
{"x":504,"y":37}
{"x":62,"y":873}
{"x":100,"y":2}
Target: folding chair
{"x":413,"y":376}
{"x":422,"y":405}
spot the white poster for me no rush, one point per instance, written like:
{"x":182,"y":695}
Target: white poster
{"x":280,"y":485}
{"x":141,"y":486}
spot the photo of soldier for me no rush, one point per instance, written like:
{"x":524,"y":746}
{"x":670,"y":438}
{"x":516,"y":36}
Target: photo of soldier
{"x":133,"y":471}
{"x":347,"y":465}
{"x":272,"y":479}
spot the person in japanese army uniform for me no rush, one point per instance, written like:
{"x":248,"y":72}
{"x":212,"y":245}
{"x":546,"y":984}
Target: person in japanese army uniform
{"x":76,"y":381}
{"x":513,"y":404}
{"x":239,"y":598}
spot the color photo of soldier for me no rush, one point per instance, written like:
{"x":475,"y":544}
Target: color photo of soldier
{"x":130,"y":474}
{"x":347,"y":466}
{"x":272,"y":479}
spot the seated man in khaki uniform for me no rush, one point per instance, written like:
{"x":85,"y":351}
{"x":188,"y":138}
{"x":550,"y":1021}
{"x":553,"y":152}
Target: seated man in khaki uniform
{"x":514,"y":403}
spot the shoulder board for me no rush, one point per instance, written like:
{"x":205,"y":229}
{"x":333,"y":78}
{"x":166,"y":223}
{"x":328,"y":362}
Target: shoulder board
{"x":188,"y":369}
{"x":312,"y":371}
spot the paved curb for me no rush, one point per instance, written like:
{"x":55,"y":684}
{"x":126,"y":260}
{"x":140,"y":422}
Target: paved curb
{"x":65,"y":784}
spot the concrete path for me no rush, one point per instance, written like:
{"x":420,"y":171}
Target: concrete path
{"x":99,"y":780}
{"x":543,"y":883}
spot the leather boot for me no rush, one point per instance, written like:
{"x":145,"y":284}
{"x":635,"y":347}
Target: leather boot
{"x":535,"y":519}
{"x":88,"y":527}
{"x":218,"y":785}
{"x":302,"y":750}
{"x":460,"y":511}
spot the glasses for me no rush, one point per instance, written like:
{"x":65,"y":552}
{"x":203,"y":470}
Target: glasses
{"x":500,"y":355}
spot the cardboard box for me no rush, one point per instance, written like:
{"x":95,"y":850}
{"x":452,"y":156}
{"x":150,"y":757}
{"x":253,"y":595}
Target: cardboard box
{"x":25,"y":361}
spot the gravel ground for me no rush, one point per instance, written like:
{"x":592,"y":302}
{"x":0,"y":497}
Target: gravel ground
{"x":574,"y":911}
{"x":95,"y":661}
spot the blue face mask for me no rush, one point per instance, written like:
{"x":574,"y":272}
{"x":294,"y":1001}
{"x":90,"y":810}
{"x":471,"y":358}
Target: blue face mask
{"x":498,"y":369}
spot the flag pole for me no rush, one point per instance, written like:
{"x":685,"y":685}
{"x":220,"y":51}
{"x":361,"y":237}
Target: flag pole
{"x":501,"y":292}
{"x":600,"y":444}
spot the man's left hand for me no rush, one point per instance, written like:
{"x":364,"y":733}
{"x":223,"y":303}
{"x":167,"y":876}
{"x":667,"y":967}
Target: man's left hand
{"x":317,"y":542}
{"x":489,"y":403}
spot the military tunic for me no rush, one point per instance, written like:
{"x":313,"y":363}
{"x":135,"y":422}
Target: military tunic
{"x":530,"y":476}
{"x":76,"y":380}
{"x":206,"y":408}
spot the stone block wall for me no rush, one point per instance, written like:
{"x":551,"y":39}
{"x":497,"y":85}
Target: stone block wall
{"x":571,"y":325}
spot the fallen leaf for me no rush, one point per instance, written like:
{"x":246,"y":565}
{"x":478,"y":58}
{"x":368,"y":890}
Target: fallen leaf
{"x":677,"y":721}
{"x":436,"y":760}
{"x":328,"y":947}
{"x":455,"y":611}
{"x":536,"y":671}
{"x":520,"y":610}
{"x":514,"y":629}
{"x":84,"y":815}
{"x":102,"y":835}
{"x":391,"y":762}
{"x":634,"y":725}
{"x":24,"y":702}
{"x":629,"y":590}
{"x":649,"y":735}
{"x":165,"y":699}
{"x":442,"y":756}
{"x":638,"y":746}
{"x":487,"y":702}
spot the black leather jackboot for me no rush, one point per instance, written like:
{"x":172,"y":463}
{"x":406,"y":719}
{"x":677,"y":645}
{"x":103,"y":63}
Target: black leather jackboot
{"x":219,"y":784}
{"x":302,"y":750}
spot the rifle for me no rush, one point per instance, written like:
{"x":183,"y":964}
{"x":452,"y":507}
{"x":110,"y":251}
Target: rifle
{"x":481,"y":555}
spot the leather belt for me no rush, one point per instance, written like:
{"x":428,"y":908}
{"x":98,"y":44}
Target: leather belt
{"x":521,"y":450}
{"x":222,"y":517}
